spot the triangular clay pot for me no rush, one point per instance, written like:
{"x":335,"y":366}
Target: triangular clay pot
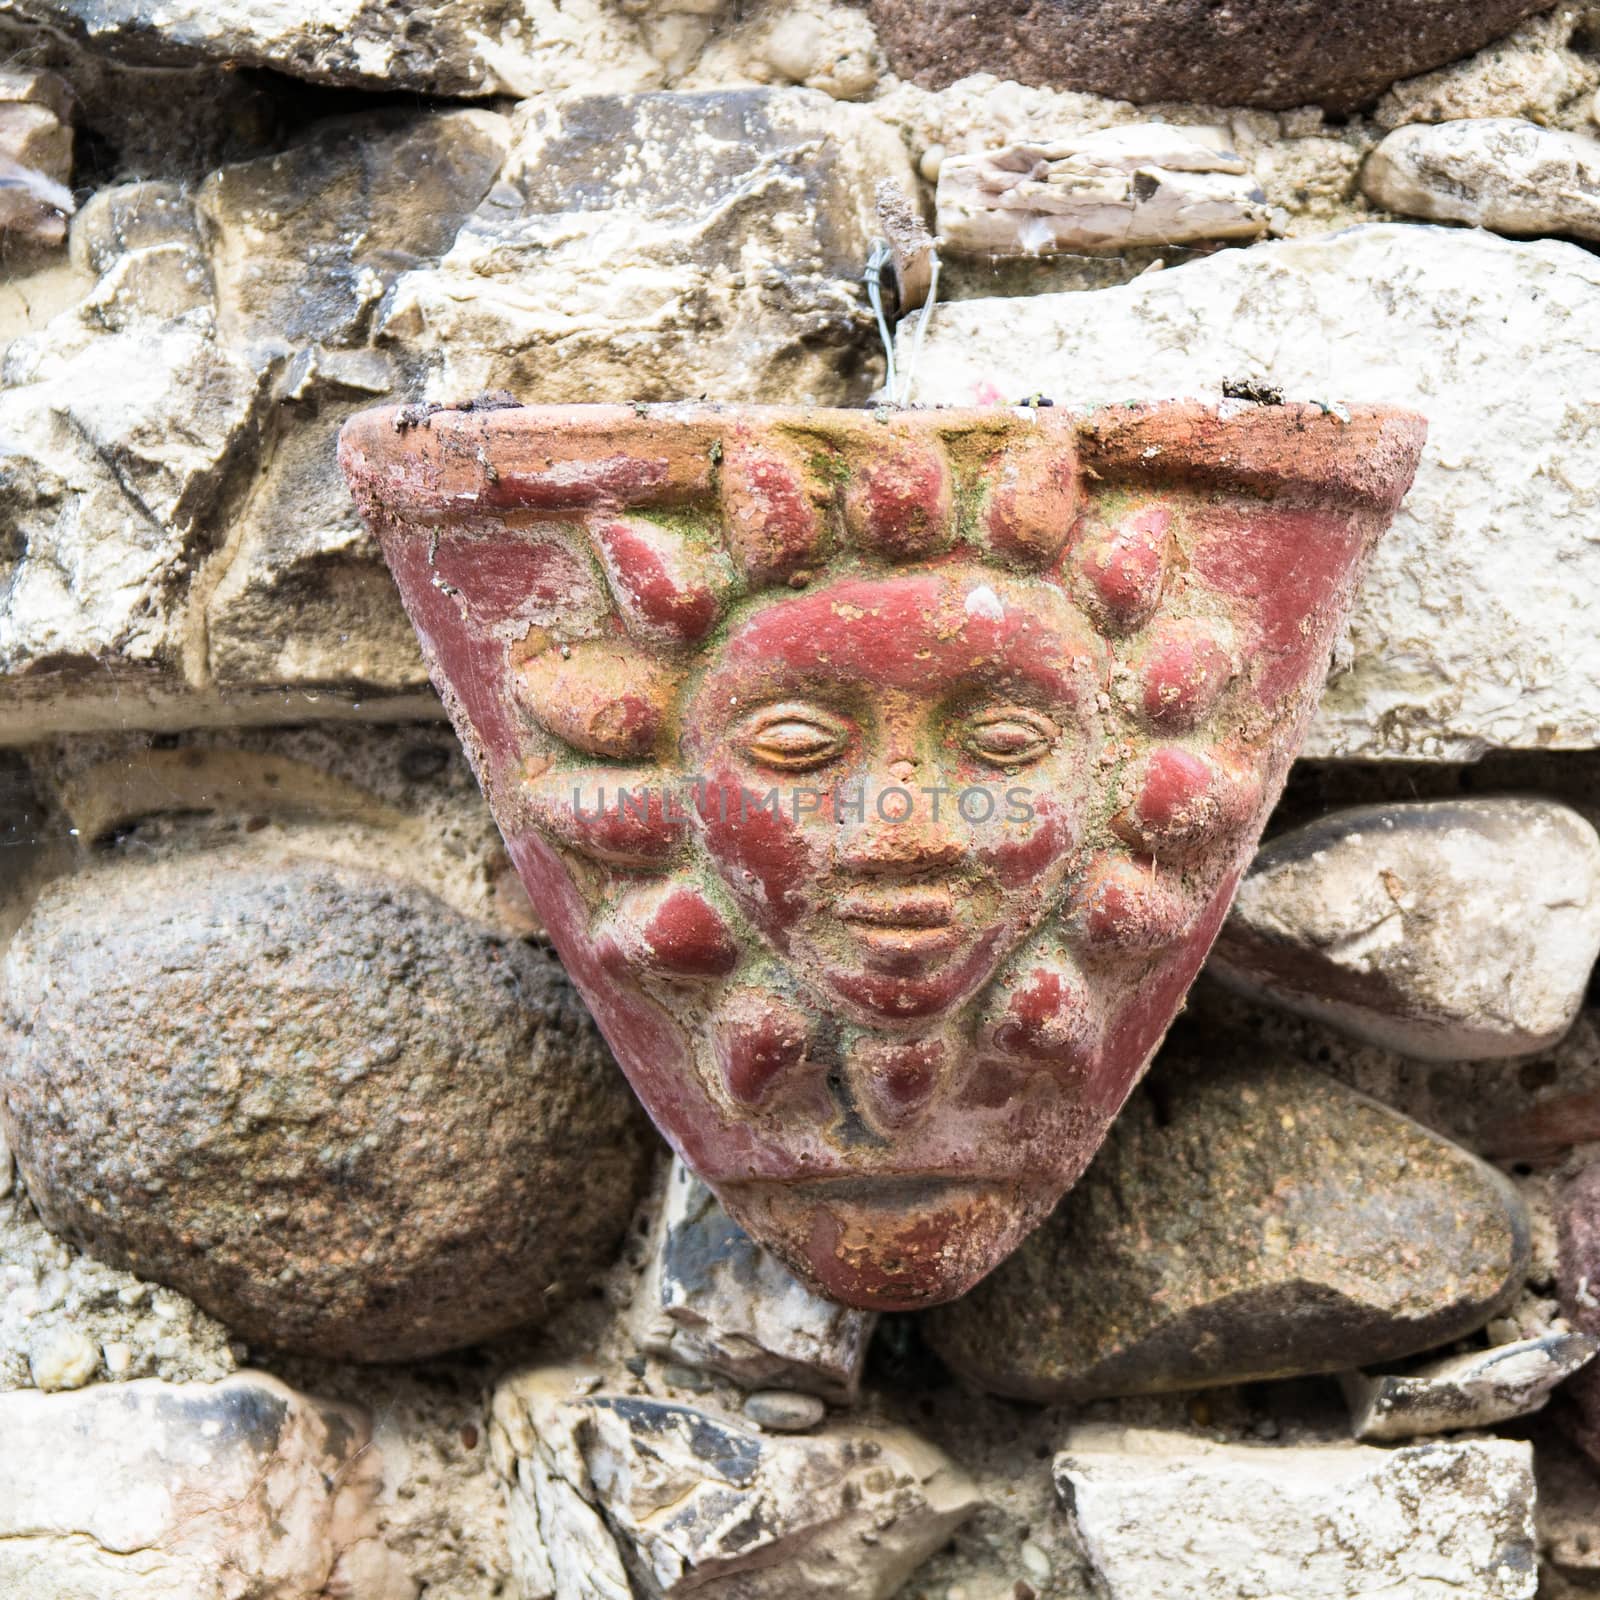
{"x":882,"y":777}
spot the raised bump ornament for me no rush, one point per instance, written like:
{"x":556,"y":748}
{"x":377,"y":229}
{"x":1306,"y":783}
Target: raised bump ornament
{"x":881,"y":777}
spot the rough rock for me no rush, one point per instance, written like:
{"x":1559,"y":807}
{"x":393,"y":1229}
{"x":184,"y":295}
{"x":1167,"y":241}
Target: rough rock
{"x":1451,"y":930}
{"x":831,"y":48}
{"x":603,"y":1487}
{"x":1147,"y":183}
{"x":306,"y":243}
{"x":336,"y":1114}
{"x":1170,"y":1515}
{"x":35,"y":157}
{"x":1495,"y":172}
{"x":1475,"y":1390}
{"x":1533,"y":72}
{"x":1473,"y":630}
{"x":665,"y":246}
{"x":397,"y":800}
{"x":443,"y":47}
{"x":1244,"y":1220}
{"x":238,"y":1490}
{"x":1255,"y":53}
{"x":185,"y":411}
{"x":712,"y":1298}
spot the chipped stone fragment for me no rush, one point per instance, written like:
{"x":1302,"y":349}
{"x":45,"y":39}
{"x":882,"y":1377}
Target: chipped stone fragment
{"x":603,"y":1487}
{"x":713,"y":1298}
{"x":1475,"y":1390}
{"x":1146,"y":183}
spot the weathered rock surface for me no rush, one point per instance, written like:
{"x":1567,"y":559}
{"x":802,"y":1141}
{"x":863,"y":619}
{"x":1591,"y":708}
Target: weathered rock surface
{"x":1453,"y":930}
{"x":1148,"y":183}
{"x":239,"y":1490}
{"x":1255,"y":53}
{"x":1170,"y":1515}
{"x":444,"y":47}
{"x":1494,"y":172}
{"x":333,"y":1112}
{"x":166,"y":446}
{"x":1475,"y":1390}
{"x":35,"y":158}
{"x":180,"y":548}
{"x":1533,"y":72}
{"x":1474,"y":629}
{"x":1242,"y":1221}
{"x":604,"y":1487}
{"x":714,"y":1299}
{"x":305,"y":247}
{"x":440,"y":1509}
{"x":1577,"y":1209}
{"x":659,"y":247}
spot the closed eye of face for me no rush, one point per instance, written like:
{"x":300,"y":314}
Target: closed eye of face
{"x":1008,"y":736}
{"x":792,"y":737}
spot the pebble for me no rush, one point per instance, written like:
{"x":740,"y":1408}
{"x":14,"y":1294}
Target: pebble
{"x":64,"y":1358}
{"x":784,"y":1411}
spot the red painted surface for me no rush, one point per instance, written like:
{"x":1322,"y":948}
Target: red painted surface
{"x":933,"y":744}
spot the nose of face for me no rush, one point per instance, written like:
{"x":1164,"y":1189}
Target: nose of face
{"x":904,"y":829}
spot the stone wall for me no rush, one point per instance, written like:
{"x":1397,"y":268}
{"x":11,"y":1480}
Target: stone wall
{"x":335,"y":1257}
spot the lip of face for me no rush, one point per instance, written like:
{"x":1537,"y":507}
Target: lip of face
{"x":905,"y":710}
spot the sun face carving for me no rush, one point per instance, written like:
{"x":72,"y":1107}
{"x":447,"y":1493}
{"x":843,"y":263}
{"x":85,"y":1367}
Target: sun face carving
{"x":883,"y":779}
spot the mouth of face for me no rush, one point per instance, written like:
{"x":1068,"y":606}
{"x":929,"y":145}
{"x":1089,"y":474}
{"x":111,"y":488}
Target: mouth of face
{"x":902,"y":922}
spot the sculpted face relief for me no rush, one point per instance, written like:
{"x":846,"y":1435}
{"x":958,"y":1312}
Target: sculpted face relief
{"x":882,"y":778}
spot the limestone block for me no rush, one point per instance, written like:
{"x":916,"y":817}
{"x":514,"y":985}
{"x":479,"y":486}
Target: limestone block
{"x":1492,"y":172}
{"x":442,"y":47}
{"x":1170,"y":1515}
{"x":1474,"y":630}
{"x":665,"y":246}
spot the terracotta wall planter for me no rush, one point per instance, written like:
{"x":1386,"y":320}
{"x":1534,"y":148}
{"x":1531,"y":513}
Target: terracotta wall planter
{"x":882,"y":777}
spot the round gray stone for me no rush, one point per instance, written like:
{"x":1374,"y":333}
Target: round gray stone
{"x":783,"y":1410}
{"x":338,"y":1115}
